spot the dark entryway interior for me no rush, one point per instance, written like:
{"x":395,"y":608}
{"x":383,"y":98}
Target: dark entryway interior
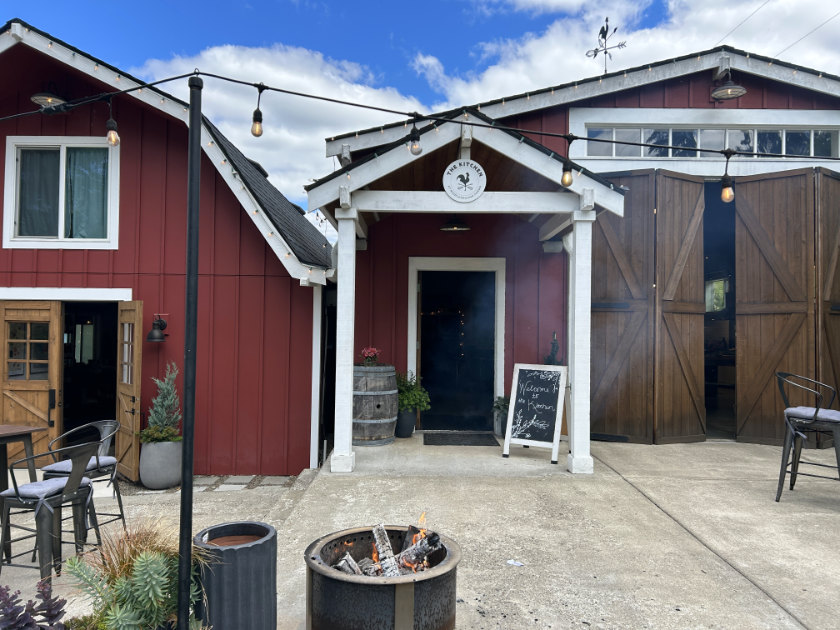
{"x":719,"y":339}
{"x":90,"y":362}
{"x":457,"y":338}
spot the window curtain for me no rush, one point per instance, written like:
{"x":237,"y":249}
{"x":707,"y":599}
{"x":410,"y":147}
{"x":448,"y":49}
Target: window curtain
{"x":86,"y":193}
{"x":38,"y":192}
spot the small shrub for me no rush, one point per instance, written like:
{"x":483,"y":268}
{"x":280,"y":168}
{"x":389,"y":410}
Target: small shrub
{"x":45,"y":615}
{"x":165,"y":412}
{"x":410,"y":394}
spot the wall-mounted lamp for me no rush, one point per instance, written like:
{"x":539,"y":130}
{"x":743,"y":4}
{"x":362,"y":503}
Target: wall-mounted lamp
{"x":454,"y":224}
{"x":47,"y":99}
{"x":156,"y":333}
{"x":728,"y":90}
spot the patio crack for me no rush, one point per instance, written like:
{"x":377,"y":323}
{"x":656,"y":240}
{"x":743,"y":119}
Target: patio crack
{"x":702,"y":542}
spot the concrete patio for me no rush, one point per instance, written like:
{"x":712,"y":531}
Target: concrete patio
{"x":677,"y":536}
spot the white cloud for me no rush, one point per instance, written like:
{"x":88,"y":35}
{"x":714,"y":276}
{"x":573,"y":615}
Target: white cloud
{"x":291,"y":148}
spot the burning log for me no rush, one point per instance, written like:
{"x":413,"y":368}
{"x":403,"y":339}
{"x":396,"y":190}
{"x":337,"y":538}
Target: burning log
{"x":416,"y":554}
{"x":385,"y":551}
{"x":348,"y":565}
{"x":369,"y":567}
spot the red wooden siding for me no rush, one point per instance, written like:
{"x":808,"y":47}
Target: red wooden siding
{"x":254,"y":330}
{"x":535,"y":300}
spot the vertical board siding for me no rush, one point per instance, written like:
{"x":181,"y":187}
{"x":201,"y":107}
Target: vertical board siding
{"x":381,"y":298}
{"x":255,"y":323}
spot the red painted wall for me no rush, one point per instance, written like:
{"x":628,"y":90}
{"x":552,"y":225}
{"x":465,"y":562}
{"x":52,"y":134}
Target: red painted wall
{"x":254,"y":330}
{"x":535,"y":283}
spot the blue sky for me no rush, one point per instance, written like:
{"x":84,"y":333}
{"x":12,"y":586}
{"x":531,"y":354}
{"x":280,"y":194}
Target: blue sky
{"x":407,"y":56}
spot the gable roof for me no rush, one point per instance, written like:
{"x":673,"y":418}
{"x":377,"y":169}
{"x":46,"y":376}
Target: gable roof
{"x":298,"y":244}
{"x":513,"y":145}
{"x":717,"y":60}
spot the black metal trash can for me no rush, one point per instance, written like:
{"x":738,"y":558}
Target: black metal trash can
{"x":240,"y":581}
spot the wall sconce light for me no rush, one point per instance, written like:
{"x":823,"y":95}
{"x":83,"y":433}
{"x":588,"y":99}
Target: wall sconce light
{"x":156,"y":334}
{"x":47,"y":99}
{"x":728,"y":90}
{"x":454,"y":224}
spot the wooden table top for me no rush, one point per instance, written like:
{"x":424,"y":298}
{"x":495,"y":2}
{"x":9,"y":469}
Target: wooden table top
{"x":18,"y":430}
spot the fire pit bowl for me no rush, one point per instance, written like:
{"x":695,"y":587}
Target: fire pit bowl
{"x":339,"y":601}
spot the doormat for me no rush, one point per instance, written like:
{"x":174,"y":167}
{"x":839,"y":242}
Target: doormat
{"x":459,"y":438}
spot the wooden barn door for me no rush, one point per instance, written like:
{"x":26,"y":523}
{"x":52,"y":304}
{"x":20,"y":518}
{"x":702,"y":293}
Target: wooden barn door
{"x":680,"y":408}
{"x":622,"y":314}
{"x":129,"y":357}
{"x":828,"y":276}
{"x":774,"y":295}
{"x":32,"y":342}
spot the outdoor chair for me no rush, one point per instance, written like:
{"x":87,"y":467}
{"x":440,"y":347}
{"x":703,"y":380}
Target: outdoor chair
{"x":102,"y":467}
{"x":46,"y":498}
{"x":801,"y":421}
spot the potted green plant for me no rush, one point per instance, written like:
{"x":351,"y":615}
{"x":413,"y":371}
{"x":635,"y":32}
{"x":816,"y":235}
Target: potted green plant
{"x":160,"y":455}
{"x":411,"y":398}
{"x":500,"y":413}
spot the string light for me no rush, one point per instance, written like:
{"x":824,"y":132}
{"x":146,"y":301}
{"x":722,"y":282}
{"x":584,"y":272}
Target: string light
{"x":111,"y":135}
{"x":566,"y":179}
{"x":256,"y":119}
{"x":727,"y":192}
{"x":414,"y":141}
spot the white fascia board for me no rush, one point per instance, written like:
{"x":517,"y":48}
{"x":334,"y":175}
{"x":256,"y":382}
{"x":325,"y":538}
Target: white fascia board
{"x":548,"y":167}
{"x":487,"y":203}
{"x":628,"y":80}
{"x":106,"y":75}
{"x":67,"y":294}
{"x":255,"y":212}
{"x":376,"y":168}
{"x":705,"y":167}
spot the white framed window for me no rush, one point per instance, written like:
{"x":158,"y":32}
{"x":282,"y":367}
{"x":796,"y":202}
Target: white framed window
{"x":61,"y":192}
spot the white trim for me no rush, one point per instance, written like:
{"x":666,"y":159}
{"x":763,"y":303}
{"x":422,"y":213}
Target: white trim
{"x":495,"y":265}
{"x":65,"y":294}
{"x":10,"y":241}
{"x":489,"y":203}
{"x":315,"y":396}
{"x":580,"y":117}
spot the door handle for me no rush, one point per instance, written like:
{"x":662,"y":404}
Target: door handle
{"x":50,"y":407}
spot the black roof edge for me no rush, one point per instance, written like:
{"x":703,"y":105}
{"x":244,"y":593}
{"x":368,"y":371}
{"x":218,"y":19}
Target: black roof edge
{"x":723,"y":48}
{"x":452,"y":114}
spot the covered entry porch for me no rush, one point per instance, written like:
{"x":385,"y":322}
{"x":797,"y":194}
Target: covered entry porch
{"x":527,"y":230}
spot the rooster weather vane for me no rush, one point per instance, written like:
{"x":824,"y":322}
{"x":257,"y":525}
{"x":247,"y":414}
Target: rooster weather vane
{"x":604,"y":35}
{"x":464,"y":178}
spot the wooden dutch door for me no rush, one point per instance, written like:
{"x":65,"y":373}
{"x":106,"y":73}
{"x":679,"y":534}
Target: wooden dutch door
{"x":129,"y":361}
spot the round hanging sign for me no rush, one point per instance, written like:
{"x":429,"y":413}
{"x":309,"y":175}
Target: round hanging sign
{"x":464,"y":180}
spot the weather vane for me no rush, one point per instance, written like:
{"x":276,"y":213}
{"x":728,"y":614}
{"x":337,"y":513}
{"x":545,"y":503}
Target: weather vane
{"x":603,"y":35}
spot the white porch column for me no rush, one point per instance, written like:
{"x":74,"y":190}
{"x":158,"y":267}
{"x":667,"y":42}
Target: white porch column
{"x":580,"y":327}
{"x":343,"y":458}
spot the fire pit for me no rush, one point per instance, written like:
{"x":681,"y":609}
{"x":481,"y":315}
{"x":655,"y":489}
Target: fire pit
{"x":342,"y":601}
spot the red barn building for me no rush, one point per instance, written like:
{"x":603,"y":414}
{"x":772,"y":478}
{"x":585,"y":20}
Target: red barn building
{"x":93,"y":243}
{"x":692,"y":303}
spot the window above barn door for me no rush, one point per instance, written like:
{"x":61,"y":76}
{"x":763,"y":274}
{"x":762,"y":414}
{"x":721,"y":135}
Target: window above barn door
{"x":60,"y":193}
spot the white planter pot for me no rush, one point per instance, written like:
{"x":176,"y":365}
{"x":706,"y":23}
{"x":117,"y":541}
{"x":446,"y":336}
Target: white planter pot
{"x":160,"y":465}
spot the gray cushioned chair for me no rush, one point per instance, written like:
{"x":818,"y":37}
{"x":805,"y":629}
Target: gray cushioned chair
{"x":46,"y":498}
{"x":802,"y":421}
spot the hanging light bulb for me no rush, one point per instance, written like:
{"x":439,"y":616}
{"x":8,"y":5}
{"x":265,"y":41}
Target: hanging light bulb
{"x":414,"y":141}
{"x":566,"y":179}
{"x":111,"y":134}
{"x":256,"y":124}
{"x":257,"y":118}
{"x":727,"y":192}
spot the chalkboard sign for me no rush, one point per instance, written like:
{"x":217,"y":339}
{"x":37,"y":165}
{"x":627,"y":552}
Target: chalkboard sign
{"x":535,"y":413}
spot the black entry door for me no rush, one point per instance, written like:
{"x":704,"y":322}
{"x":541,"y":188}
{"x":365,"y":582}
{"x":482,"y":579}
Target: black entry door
{"x":457,"y":325}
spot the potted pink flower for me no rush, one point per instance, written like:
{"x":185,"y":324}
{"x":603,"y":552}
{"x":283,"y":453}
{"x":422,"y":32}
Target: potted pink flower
{"x":370,"y":356}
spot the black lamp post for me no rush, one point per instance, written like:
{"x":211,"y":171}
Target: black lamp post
{"x":191,"y":309}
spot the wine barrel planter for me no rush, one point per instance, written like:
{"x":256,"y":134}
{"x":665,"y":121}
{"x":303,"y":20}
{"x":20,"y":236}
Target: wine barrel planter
{"x":374,"y":404}
{"x":240,"y":580}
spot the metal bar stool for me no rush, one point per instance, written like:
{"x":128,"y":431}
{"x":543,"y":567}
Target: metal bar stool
{"x":800,"y":421}
{"x":101,"y":467}
{"x":46,"y":498}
